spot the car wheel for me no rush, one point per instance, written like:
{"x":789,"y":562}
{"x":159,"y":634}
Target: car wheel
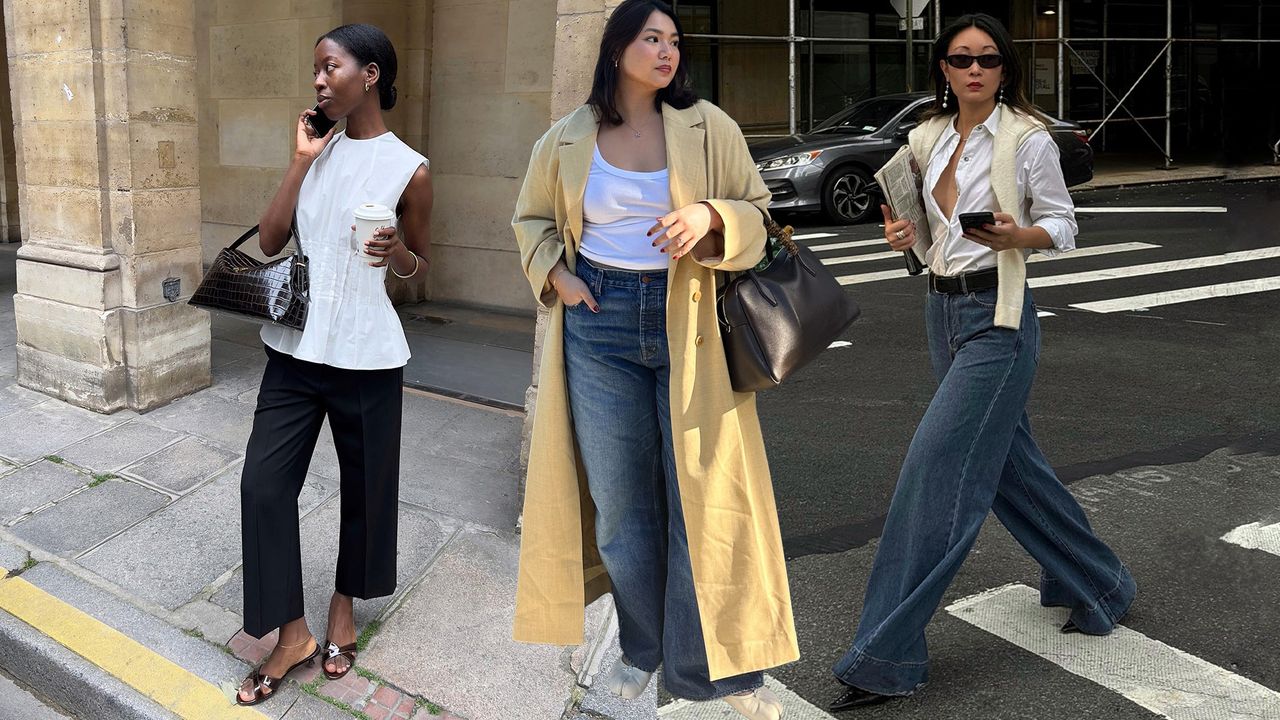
{"x":847,"y":197}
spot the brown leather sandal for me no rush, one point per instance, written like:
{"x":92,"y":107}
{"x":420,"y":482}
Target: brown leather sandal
{"x":264,"y":686}
{"x":332,"y":651}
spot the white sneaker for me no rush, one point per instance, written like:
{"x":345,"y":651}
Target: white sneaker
{"x":625,"y":681}
{"x":759,"y":705}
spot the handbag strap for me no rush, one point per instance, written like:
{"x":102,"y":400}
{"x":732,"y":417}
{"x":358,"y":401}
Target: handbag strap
{"x":293,"y":229}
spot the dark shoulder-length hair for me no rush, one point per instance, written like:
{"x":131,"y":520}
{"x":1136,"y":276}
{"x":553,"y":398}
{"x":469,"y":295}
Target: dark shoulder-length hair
{"x":1015,"y":95}
{"x":626,"y":22}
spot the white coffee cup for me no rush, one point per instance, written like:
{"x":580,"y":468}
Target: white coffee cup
{"x":369,"y":218}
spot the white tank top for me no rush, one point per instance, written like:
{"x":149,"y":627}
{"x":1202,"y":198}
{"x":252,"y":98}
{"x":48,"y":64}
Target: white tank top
{"x":618,"y":208}
{"x":351,"y":323}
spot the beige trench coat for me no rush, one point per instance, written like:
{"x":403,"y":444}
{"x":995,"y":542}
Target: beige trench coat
{"x":726,"y":494}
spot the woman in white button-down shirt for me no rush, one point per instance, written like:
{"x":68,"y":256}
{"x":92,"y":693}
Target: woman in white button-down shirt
{"x":984,"y":148}
{"x":346,"y":365}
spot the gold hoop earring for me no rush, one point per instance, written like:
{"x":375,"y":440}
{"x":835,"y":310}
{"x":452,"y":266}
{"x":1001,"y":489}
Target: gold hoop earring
{"x":366,"y":87}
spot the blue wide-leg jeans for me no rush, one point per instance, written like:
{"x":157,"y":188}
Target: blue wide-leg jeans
{"x":618,"y":372}
{"x":973,"y":452}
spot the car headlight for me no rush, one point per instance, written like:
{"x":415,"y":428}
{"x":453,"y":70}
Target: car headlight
{"x":795,"y":160}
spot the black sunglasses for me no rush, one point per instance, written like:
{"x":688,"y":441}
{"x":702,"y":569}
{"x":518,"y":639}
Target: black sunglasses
{"x":964,"y":61}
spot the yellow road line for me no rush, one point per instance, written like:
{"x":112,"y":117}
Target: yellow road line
{"x":181,"y":692}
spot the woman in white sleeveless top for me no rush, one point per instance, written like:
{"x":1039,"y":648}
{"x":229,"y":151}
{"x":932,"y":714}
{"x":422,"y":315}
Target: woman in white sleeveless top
{"x":346,"y":364}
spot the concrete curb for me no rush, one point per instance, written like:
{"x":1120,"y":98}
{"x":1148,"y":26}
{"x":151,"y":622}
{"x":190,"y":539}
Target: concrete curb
{"x":73,"y":683}
{"x":1152,"y":178}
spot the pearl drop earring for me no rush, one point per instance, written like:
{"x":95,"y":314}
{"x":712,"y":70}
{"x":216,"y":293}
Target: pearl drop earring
{"x":946,"y":90}
{"x":1001,"y":98}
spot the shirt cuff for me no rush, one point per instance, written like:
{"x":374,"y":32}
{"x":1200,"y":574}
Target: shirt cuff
{"x":1060,"y":233}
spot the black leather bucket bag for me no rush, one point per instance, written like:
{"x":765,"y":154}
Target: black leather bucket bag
{"x":778,"y":316}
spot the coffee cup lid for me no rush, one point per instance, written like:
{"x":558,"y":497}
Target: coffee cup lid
{"x":373,"y":211}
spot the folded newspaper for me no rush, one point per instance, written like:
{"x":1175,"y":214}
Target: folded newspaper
{"x":902,"y":182}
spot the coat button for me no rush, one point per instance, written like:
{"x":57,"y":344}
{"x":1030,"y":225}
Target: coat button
{"x":697,"y":295}
{"x":698,"y":340}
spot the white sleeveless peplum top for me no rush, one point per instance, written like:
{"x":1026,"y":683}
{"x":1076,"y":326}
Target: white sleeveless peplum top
{"x":351,"y":323}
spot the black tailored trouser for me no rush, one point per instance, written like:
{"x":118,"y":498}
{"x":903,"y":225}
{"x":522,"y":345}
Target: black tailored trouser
{"x":363,"y":407}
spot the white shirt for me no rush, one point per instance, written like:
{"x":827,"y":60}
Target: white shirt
{"x":618,"y":208}
{"x":1039,"y":181}
{"x":351,"y":323}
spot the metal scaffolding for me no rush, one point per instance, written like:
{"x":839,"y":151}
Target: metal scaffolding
{"x":1112,"y":103}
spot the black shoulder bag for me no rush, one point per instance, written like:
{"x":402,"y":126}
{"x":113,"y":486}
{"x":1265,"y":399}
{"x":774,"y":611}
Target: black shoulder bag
{"x":274,"y":292}
{"x":778,"y":316}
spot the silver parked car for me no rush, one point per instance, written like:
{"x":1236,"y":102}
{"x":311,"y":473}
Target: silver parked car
{"x":830,"y":169}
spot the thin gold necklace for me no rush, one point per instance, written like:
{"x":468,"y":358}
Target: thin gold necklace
{"x":633,"y":127}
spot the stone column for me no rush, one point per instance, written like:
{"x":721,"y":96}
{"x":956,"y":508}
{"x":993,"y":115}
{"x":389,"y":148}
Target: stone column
{"x":104,"y":107}
{"x":579,"y":25}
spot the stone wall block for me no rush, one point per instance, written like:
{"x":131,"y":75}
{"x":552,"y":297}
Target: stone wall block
{"x":483,"y":277}
{"x":469,"y":212}
{"x":55,"y":88}
{"x":164,"y":155}
{"x":162,"y":220}
{"x":531,"y":37}
{"x":144,"y":276}
{"x":577,"y":44}
{"x":64,"y":216}
{"x":79,"y":334}
{"x":168,"y":351}
{"x":257,"y":133}
{"x":43,"y":27}
{"x":62,"y":153}
{"x":82,"y":287}
{"x":316,"y":8}
{"x":98,"y":388}
{"x":254,"y":61}
{"x":237,"y":195}
{"x":160,"y":89}
{"x":466,"y":60}
{"x":488,"y":134}
{"x":232,"y":12}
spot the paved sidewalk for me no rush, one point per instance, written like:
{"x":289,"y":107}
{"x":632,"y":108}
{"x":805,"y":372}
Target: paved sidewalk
{"x":120,"y":535}
{"x":1116,"y":170}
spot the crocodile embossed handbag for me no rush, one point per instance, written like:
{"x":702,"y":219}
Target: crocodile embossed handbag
{"x":271,"y":292}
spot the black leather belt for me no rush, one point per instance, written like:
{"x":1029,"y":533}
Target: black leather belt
{"x":965,"y":282}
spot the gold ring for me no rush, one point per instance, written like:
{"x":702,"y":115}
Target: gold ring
{"x":902,"y":234}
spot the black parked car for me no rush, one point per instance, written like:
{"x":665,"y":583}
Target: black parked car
{"x":830,"y":169}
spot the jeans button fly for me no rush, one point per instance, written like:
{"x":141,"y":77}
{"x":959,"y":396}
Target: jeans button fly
{"x":644,"y":279}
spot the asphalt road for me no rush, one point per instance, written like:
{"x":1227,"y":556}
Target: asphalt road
{"x":1190,"y":387}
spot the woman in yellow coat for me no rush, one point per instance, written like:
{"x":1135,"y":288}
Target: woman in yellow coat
{"x":647,"y":472}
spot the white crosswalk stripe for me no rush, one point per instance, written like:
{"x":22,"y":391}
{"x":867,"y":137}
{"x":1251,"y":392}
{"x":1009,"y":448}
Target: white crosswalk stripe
{"x":1129,"y":271}
{"x":1177,"y":289}
{"x":1256,"y":536}
{"x":892,"y":274}
{"x":1182,"y":295}
{"x":1165,"y":680}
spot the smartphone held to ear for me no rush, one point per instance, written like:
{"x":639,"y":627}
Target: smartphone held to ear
{"x":320,"y":123}
{"x":975,"y":220}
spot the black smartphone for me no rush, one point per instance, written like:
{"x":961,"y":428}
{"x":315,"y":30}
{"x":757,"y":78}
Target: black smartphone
{"x":320,"y":123}
{"x":975,"y":220}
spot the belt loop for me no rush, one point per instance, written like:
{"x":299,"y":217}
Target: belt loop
{"x":964,"y":284}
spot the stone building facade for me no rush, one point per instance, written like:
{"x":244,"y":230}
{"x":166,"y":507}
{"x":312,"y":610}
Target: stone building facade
{"x":141,"y":136}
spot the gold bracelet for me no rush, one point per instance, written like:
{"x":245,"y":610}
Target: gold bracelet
{"x":411,"y":274}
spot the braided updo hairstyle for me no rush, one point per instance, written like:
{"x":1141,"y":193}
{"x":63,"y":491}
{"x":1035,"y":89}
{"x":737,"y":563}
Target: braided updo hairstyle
{"x":367,"y":44}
